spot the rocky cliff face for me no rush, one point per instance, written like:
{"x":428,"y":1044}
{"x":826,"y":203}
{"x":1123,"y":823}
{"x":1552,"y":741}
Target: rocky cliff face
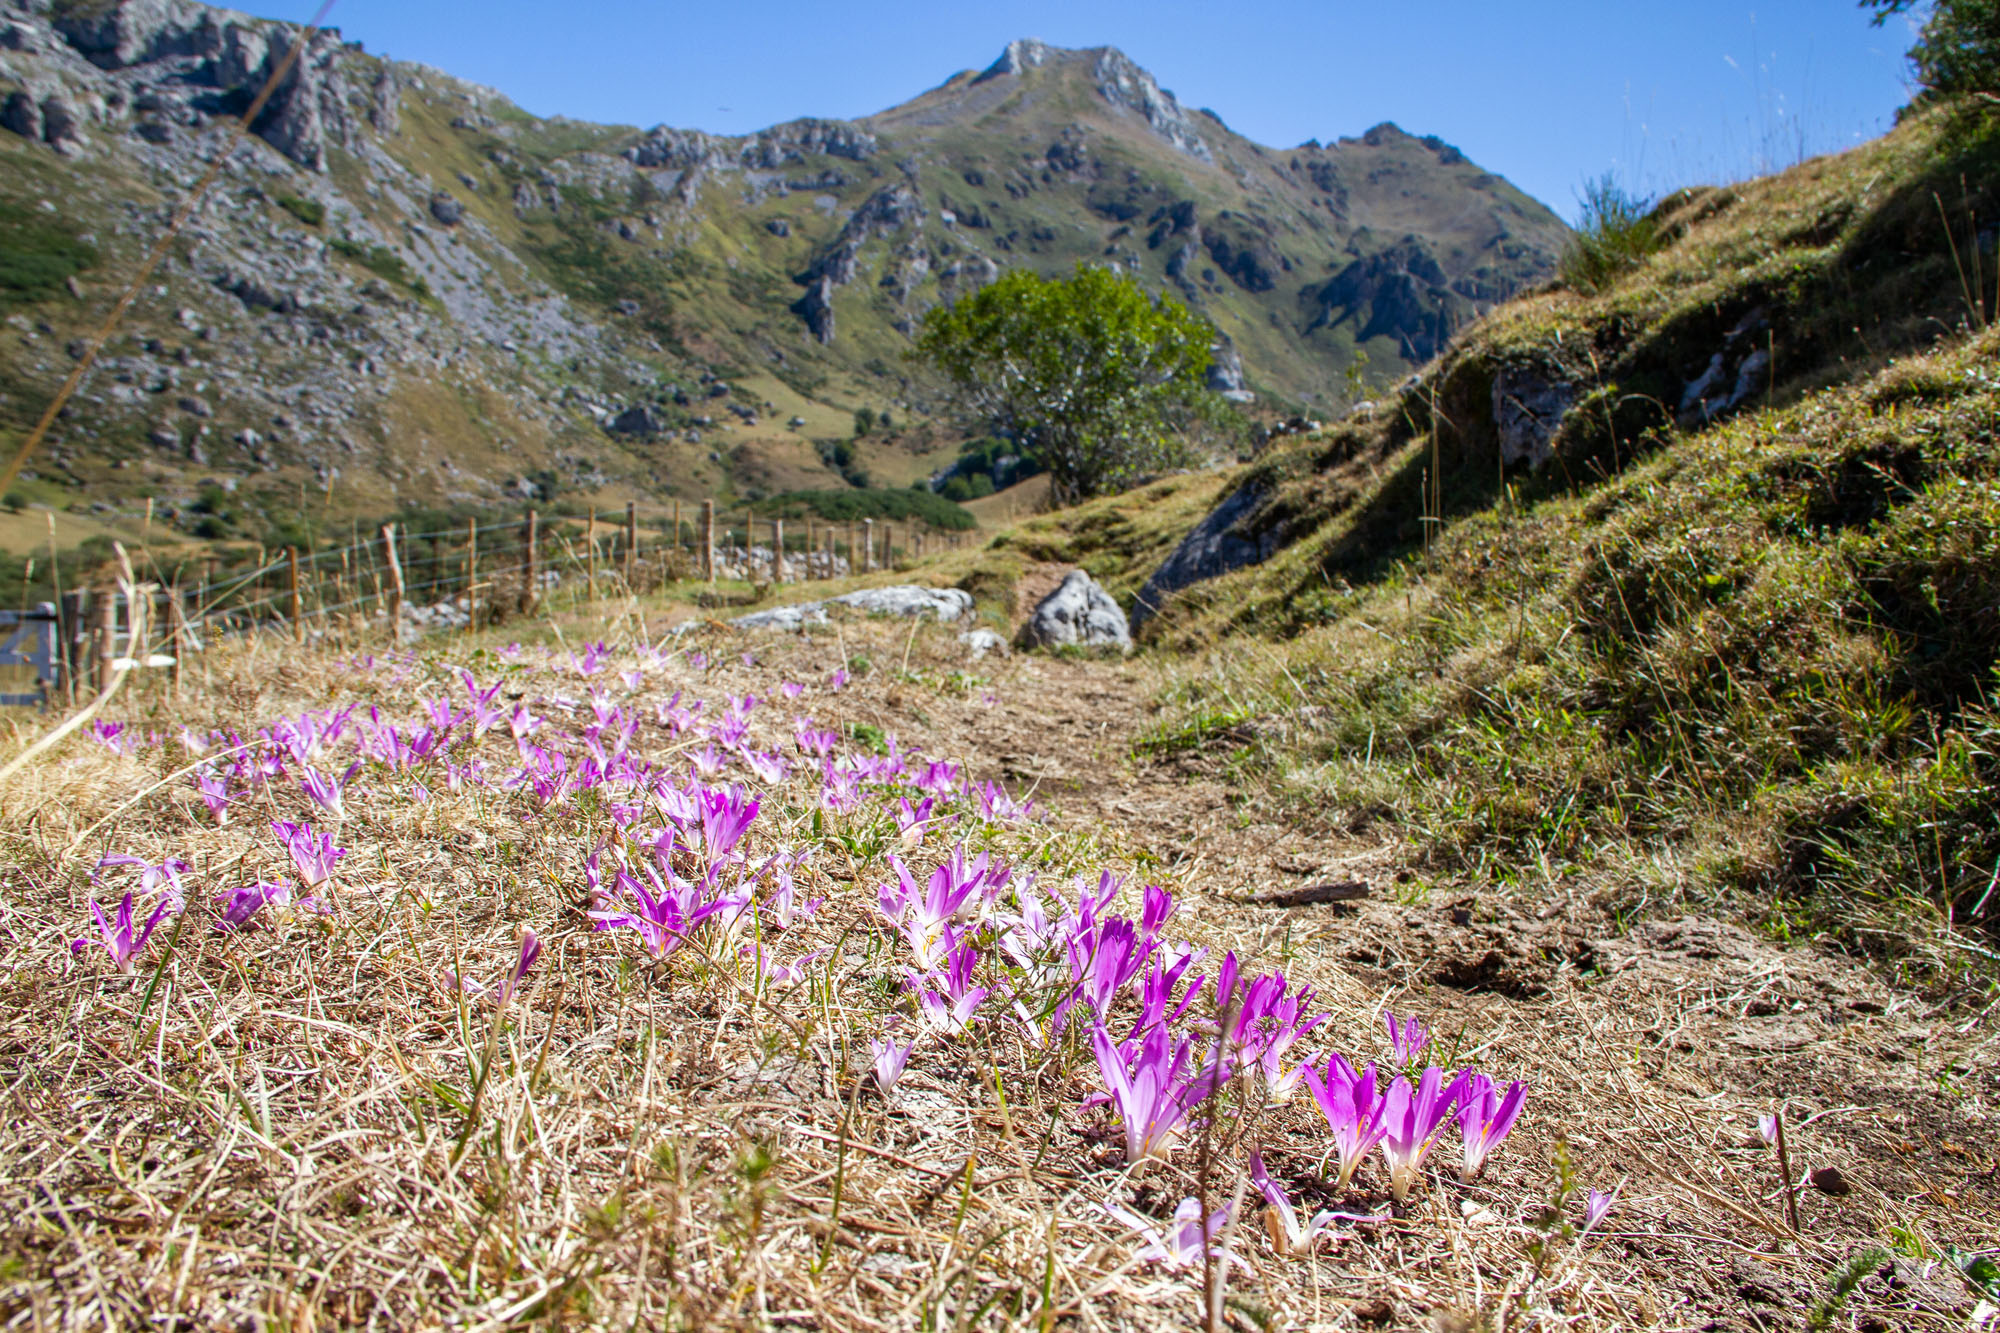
{"x":404,"y":287}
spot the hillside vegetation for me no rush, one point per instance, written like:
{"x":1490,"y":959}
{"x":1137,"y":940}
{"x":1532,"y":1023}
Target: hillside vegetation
{"x":1753,"y":656}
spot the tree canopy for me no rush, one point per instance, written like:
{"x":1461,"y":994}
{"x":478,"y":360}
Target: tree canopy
{"x":1098,"y":379}
{"x":1957,"y":53}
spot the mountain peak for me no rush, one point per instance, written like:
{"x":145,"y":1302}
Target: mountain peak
{"x":1021,"y":53}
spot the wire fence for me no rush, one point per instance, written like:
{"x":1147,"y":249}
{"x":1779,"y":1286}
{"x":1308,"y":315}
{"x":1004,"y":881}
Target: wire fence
{"x":402,"y":583}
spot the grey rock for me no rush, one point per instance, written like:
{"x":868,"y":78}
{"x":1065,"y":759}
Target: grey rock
{"x":945,"y":604}
{"x":23,"y":115}
{"x":816,"y":308}
{"x":1528,"y":407}
{"x":1212,"y":549}
{"x":257,"y":294}
{"x":196,"y":407}
{"x":446,"y":209}
{"x":62,"y":127}
{"x":904,"y":600}
{"x":164,"y":436}
{"x":979,"y":642}
{"x":639,"y":419}
{"x":1078,"y":612}
{"x":778,"y":227}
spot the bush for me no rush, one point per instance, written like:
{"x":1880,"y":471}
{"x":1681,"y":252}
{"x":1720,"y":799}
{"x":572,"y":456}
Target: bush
{"x":852,"y":506}
{"x":309,"y":211}
{"x":1616,"y":233}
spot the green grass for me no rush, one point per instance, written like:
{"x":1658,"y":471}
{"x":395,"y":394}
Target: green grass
{"x":380,"y":260}
{"x":37,"y":255}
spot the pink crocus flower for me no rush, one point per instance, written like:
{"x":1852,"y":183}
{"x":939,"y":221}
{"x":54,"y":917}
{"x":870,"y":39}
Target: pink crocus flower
{"x":891,"y":1057}
{"x":838,"y":680}
{"x":1484,"y":1118}
{"x":1407,"y":1038}
{"x":1411,"y":1119}
{"x":239,"y":905}
{"x":1288,"y":1234}
{"x":1156,"y":1089}
{"x":791,"y":689}
{"x":1183,"y":1243}
{"x":163,"y":878}
{"x":1352,"y":1109}
{"x":328,"y":792}
{"x":121,"y":939}
{"x":1596,"y":1206}
{"x":312,"y":853}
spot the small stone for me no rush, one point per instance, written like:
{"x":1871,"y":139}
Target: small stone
{"x":1829,"y":1180}
{"x":1078,"y":612}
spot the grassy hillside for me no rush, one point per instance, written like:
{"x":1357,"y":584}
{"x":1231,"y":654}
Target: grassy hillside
{"x":1755,"y":657}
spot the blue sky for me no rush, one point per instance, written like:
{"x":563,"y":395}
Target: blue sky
{"x":1548,"y":94}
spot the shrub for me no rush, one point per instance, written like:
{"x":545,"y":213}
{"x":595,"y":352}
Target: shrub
{"x":309,"y":211}
{"x":1616,"y":232}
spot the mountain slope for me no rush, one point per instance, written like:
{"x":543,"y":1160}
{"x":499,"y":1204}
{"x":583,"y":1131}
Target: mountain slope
{"x":407,"y":289}
{"x":1686,"y":588}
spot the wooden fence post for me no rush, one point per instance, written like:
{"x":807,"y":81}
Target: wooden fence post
{"x":531,"y":574}
{"x":708,"y":540}
{"x":177,"y":632}
{"x":105,"y":604}
{"x":631,"y":545}
{"x":296,"y":603}
{"x":471,"y":575}
{"x":777,"y":550}
{"x":868,"y":545}
{"x":590,"y":555}
{"x":395,"y":583}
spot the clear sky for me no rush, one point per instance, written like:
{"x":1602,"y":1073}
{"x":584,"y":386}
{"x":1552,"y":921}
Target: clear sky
{"x":1548,"y":94}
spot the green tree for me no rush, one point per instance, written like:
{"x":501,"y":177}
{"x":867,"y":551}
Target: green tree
{"x":1099,"y":379}
{"x":1958,"y":49}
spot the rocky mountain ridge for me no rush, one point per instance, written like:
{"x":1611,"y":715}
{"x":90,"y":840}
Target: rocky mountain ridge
{"x":405,"y":288}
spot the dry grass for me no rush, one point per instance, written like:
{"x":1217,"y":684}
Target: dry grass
{"x":303,"y":1125}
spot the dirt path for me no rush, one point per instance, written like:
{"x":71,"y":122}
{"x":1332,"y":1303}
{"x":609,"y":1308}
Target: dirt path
{"x":1651,"y":1050}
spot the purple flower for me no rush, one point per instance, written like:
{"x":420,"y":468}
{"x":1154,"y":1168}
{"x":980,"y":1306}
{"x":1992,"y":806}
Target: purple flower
{"x":1352,"y":1109}
{"x":725,"y":813}
{"x":708,"y":762}
{"x":328,"y":792}
{"x":774,"y":975}
{"x":911,"y":820}
{"x":785,"y":909}
{"x":791,"y":689}
{"x":922,"y":916}
{"x":1407,"y":1039}
{"x":764,"y":767}
{"x":1156,"y":1090}
{"x":664,"y":919}
{"x":1287,"y":1234}
{"x":113,"y":736}
{"x":890,"y":1058}
{"x":163,"y":879}
{"x":1484,"y":1118}
{"x":697,"y":659}
{"x":1595,"y":1206}
{"x":838,"y":680}
{"x":816,"y":741}
{"x":1767,"y":1128}
{"x":1104,"y":957}
{"x":997,"y":807}
{"x":312,"y":853}
{"x":947,"y":1000}
{"x":121,"y":940}
{"x":1411,"y":1119}
{"x":239,"y":905}
{"x":1185,"y":1242}
{"x":633,"y":679}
